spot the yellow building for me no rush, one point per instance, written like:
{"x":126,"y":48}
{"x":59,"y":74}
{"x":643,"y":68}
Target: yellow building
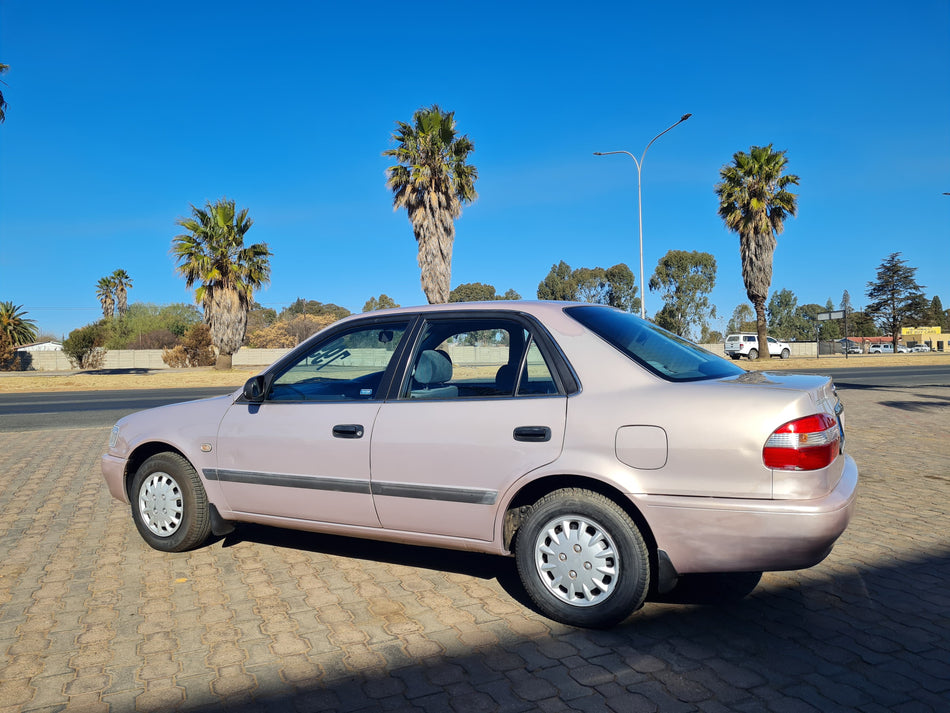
{"x":931,"y":336}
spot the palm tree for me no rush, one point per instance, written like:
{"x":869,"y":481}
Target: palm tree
{"x":432,"y":182}
{"x":754,"y":202}
{"x":212,"y":255}
{"x":3,"y":102}
{"x":105,"y":291}
{"x":14,"y":326}
{"x":121,"y":283}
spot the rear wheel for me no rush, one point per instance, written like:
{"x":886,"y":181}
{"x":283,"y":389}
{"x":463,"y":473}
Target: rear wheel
{"x":582,"y":559}
{"x":753,"y":354}
{"x":169,"y":504}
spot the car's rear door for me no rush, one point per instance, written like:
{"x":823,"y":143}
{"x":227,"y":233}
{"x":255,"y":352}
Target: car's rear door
{"x":441,"y":462}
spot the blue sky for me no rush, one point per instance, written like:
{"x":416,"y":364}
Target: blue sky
{"x":123,"y":114}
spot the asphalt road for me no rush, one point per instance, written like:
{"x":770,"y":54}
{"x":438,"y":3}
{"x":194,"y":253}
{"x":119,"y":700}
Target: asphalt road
{"x":91,"y":409}
{"x":885,"y":376}
{"x":87,"y":409}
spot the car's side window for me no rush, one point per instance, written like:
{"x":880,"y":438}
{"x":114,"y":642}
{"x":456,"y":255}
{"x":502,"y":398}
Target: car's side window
{"x":536,"y":376}
{"x":476,"y":358}
{"x":346,"y":367}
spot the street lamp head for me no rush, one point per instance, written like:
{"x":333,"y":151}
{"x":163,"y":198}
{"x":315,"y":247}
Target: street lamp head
{"x":685,"y":117}
{"x":598,"y":153}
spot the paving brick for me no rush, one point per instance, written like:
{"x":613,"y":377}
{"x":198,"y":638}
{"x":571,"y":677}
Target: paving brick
{"x":91,"y":617}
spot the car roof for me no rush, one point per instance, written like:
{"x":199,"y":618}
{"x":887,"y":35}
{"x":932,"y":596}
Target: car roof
{"x":538,"y":308}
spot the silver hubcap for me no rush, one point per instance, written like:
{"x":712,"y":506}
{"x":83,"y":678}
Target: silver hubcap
{"x":577,"y":560}
{"x":160,"y":504}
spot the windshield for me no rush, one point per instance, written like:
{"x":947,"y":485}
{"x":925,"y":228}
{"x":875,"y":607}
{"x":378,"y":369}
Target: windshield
{"x":663,"y":353}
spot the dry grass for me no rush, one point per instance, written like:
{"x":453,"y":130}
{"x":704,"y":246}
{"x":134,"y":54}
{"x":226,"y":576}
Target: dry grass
{"x":157,"y":379}
{"x":187,"y":378}
{"x":838,"y":361}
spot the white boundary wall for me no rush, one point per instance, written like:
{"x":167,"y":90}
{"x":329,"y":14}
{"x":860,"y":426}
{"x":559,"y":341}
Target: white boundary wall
{"x":152,"y":358}
{"x":147,"y":359}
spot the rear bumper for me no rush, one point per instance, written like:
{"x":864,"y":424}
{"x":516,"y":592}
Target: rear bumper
{"x":734,"y":535}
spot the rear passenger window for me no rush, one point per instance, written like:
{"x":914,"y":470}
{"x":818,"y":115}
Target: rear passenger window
{"x":536,"y":377}
{"x":477,"y":358}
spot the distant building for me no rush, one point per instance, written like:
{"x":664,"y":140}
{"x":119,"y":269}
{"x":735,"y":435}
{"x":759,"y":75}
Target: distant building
{"x":41,"y":347}
{"x":931,"y":336}
{"x":911,"y":337}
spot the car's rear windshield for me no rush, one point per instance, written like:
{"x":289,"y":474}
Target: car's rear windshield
{"x":661,"y":352}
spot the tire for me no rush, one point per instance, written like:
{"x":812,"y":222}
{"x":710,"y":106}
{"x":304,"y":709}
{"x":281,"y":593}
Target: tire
{"x":561,"y":574}
{"x":169,"y":504}
{"x":785,"y":354}
{"x":753,"y":354}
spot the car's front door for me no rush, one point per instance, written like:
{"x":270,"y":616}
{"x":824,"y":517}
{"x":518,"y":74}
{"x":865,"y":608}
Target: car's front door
{"x":304,"y":452}
{"x":479,"y":408}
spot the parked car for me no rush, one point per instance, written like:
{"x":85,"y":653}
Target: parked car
{"x":888,"y":348}
{"x":588,"y":444}
{"x":854,"y":349}
{"x":921,"y":348}
{"x":746,"y":345}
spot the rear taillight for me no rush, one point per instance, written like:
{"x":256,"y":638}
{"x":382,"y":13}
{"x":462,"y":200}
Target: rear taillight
{"x":807,"y":443}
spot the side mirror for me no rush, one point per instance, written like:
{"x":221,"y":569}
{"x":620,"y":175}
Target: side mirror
{"x":256,"y":388}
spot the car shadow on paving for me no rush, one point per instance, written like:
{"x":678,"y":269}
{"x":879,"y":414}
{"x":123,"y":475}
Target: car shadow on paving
{"x":854,"y":641}
{"x":837,"y":637}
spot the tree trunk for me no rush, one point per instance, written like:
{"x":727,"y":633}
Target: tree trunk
{"x":761,"y":330}
{"x":226,"y":315}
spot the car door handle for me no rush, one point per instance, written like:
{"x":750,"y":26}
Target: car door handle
{"x":348,"y":430}
{"x":533,"y":434}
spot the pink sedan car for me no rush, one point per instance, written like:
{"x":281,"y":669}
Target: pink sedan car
{"x":609,"y":457}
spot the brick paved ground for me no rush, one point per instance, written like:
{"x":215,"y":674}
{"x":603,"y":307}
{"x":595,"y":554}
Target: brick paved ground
{"x":91,"y":619}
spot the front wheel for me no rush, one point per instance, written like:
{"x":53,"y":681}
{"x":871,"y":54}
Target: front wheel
{"x":582,"y":559}
{"x":785,"y":353}
{"x":753,"y":354}
{"x":169,"y":504}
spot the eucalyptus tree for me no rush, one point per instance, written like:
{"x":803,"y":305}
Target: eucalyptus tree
{"x":432,"y":181}
{"x":384,"y":301}
{"x":784,"y":320}
{"x":105,"y":292}
{"x":613,"y":286}
{"x":754,"y":202}
{"x":685,"y":280}
{"x":742,"y":320}
{"x":211,"y":254}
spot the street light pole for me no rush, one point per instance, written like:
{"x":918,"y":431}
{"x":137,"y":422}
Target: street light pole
{"x":643,"y":291}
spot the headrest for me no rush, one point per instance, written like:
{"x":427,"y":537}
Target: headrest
{"x":433,"y":368}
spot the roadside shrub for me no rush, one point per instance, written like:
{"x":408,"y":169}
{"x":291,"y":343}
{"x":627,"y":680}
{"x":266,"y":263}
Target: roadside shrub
{"x":83,"y":346}
{"x":156,"y":339}
{"x":275,"y":336}
{"x":195,"y":349}
{"x":288,"y":332}
{"x":175,"y":357}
